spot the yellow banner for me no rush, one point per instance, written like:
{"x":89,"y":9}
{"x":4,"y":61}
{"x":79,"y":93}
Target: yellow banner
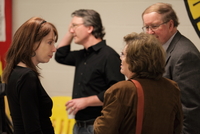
{"x":193,"y":10}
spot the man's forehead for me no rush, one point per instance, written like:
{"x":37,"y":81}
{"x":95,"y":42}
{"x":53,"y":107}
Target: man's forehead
{"x":152,"y":17}
{"x":77,"y":19}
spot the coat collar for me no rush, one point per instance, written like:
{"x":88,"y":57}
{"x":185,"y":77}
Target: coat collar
{"x":172,"y":45}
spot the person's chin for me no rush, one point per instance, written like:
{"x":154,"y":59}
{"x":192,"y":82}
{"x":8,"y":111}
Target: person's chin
{"x":46,"y":61}
{"x":121,"y":71}
{"x":76,"y":41}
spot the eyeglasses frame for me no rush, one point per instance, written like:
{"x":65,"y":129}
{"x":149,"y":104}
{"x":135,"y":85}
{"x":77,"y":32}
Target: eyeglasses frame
{"x":74,"y":26}
{"x":153,"y":28}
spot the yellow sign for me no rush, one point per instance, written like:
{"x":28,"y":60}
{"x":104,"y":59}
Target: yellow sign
{"x":193,"y":10}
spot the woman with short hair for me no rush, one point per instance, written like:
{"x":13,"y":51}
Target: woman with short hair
{"x":142,"y":59}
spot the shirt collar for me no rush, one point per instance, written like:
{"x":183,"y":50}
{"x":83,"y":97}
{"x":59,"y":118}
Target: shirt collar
{"x":97,"y":46}
{"x":166,"y":45}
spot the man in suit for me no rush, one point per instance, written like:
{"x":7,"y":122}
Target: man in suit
{"x":182,"y":60}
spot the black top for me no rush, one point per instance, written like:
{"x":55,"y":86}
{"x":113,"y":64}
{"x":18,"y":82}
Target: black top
{"x":96,"y":70}
{"x":30,"y":105}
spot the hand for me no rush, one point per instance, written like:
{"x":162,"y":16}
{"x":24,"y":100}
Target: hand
{"x":69,"y":27}
{"x":67,"y":38}
{"x":76,"y":105}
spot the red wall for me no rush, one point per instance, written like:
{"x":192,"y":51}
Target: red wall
{"x":8,"y":17}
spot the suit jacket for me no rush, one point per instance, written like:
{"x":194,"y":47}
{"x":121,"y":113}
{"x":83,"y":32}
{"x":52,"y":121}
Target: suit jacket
{"x":183,"y":66}
{"x":162,"y":108}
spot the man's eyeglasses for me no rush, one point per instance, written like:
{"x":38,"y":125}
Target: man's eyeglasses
{"x":153,"y":27}
{"x":74,"y":26}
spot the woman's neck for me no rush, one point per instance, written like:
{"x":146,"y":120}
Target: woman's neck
{"x":21,"y":64}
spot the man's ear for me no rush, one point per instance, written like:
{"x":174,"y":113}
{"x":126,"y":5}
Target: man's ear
{"x":171,"y":24}
{"x":90,"y":29}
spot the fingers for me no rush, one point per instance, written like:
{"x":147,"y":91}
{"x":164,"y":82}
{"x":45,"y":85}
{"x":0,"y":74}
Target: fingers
{"x":72,"y":110}
{"x":75,"y":110}
{"x":70,"y":105}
